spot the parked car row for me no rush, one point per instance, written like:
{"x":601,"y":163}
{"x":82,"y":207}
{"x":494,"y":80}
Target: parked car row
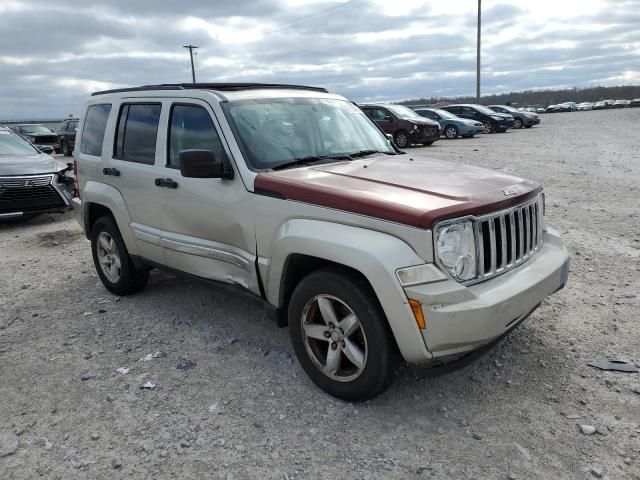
{"x":586,"y":106}
{"x":48,"y":141}
{"x":424,"y":125}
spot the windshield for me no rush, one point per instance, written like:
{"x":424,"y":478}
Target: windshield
{"x":34,"y":129}
{"x":445,"y":114}
{"x":275,"y":131}
{"x":402,"y":112}
{"x":12,"y":144}
{"x":484,"y":110}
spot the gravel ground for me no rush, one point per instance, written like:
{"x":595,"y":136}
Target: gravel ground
{"x":246,"y":410}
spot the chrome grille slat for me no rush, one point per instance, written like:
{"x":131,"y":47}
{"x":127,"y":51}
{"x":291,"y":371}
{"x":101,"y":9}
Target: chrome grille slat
{"x":492,"y":245}
{"x":480,"y":248}
{"x":503,"y":243}
{"x":512,"y":236}
{"x":18,"y":182}
{"x":512,"y":226}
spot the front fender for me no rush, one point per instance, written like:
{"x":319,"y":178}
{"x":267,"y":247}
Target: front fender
{"x":107,"y":196}
{"x":374,"y":254}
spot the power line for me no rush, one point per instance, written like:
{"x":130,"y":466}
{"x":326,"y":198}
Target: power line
{"x":193,"y":70}
{"x":326,"y":11}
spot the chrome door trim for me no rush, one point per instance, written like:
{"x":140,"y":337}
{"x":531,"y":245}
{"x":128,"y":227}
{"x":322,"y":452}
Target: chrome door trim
{"x":147,"y":234}
{"x":205,"y":248}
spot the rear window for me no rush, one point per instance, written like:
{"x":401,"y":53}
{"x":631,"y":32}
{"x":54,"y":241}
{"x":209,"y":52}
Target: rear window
{"x":94,"y":127}
{"x":137,"y":132}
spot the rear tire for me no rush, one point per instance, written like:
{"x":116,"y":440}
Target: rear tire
{"x":341,"y":336}
{"x":517,"y":123}
{"x":112,"y":261}
{"x":488,"y":127}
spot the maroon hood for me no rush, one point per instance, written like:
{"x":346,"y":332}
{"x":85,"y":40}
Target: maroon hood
{"x":407,"y":189}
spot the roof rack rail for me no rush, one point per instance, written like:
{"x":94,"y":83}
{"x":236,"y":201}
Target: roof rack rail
{"x":225,"y":87}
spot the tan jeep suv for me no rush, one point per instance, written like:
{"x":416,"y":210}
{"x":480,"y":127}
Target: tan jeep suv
{"x":368,"y":254}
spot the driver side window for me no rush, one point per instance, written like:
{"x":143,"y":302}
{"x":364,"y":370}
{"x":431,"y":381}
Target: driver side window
{"x":191,"y":128}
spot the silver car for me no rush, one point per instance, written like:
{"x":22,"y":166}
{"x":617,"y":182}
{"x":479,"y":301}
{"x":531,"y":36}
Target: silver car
{"x":31,"y":182}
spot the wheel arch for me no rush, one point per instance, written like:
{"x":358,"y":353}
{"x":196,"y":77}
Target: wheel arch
{"x":99,"y":199}
{"x":303,"y":246}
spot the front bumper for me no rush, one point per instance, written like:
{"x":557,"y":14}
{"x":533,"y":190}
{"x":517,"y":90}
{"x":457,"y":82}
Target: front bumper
{"x":462,"y":318}
{"x":530,"y":121}
{"x":425,"y":135}
{"x":33,"y":195}
{"x":470,"y":129}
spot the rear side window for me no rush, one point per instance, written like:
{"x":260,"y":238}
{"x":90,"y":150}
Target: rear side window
{"x":94,"y":126}
{"x":137,"y":132}
{"x":191,"y":127}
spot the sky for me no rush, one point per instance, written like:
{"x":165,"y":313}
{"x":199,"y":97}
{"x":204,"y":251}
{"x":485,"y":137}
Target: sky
{"x":53,"y":54}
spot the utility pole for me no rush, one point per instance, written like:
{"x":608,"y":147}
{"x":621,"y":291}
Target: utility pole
{"x":478,"y":55}
{"x":193,"y":70}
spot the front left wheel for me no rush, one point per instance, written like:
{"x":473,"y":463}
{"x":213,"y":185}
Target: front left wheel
{"x":401,"y":139}
{"x":341,"y":336}
{"x":112,"y":261}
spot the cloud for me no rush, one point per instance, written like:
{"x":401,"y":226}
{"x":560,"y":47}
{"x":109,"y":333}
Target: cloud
{"x":367,"y":50}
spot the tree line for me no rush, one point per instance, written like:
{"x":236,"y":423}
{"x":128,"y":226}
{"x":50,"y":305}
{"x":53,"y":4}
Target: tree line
{"x":541,"y":98}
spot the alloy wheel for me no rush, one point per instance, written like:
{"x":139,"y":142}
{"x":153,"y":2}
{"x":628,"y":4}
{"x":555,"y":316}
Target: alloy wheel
{"x":451,"y":132}
{"x":334,"y":338}
{"x":109,"y":257}
{"x":402,"y":141}
{"x":487,"y":127}
{"x":517,"y":123}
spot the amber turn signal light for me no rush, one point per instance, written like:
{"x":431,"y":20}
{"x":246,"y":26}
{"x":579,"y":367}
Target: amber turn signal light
{"x":417,"y":312}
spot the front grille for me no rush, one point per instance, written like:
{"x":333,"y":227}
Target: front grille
{"x":507,"y":238}
{"x":28,"y":194}
{"x":46,"y":139}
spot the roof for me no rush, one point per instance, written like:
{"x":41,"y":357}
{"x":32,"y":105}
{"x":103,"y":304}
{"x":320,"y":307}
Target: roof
{"x":221,"y":87}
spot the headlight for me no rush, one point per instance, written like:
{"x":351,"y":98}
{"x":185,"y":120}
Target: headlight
{"x":456,"y":249}
{"x":416,"y":126}
{"x":496,"y":118}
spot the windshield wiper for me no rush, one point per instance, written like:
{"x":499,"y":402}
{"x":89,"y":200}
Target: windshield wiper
{"x":296,"y":162}
{"x":364,"y":153}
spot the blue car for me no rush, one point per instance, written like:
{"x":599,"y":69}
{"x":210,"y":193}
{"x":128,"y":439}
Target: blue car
{"x":451,"y":126}
{"x":492,"y":121}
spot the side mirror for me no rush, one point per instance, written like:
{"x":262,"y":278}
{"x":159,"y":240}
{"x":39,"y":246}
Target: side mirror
{"x":203,"y":164}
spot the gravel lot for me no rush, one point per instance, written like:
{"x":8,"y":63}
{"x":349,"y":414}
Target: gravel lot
{"x":246,"y":410}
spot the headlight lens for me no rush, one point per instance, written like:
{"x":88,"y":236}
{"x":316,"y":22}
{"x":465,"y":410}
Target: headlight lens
{"x":455,"y":247}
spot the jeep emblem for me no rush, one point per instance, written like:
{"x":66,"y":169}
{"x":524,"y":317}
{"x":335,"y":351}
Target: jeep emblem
{"x":509,"y":191}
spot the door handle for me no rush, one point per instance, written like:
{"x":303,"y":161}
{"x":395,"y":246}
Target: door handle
{"x":111,"y":171}
{"x":166,"y":182}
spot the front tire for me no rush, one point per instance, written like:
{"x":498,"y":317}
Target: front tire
{"x":451,"y":132}
{"x":341,"y":335}
{"x":401,"y":139}
{"x":112,"y":261}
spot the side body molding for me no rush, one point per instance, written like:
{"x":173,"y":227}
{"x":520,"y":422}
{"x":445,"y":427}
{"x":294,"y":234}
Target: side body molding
{"x":375,"y":254}
{"x":108,"y":196}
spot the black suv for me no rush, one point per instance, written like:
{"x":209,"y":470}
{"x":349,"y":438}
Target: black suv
{"x":492,"y":121}
{"x":67,"y":136}
{"x":404,"y":124}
